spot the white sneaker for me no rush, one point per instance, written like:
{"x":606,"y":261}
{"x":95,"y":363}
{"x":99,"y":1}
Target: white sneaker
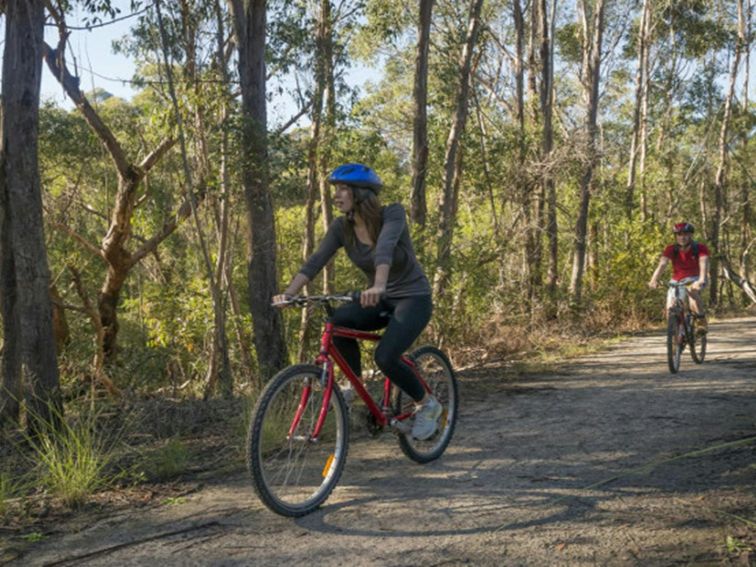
{"x":426,"y":419}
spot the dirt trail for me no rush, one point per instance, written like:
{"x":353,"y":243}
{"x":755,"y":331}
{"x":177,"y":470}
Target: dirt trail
{"x":612,"y":461}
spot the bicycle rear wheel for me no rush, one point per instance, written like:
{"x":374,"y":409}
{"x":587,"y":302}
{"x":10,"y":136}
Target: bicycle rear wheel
{"x":292,"y":473}
{"x":674,"y":344}
{"x":697,"y":343}
{"x":437,"y":372}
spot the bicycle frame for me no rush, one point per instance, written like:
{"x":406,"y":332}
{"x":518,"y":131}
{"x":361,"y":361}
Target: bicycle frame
{"x":682,"y":300}
{"x":329,"y":355}
{"x":681,"y":306}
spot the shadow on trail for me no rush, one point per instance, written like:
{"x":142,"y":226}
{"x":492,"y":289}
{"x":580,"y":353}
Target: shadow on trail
{"x":326,"y":520}
{"x":485,"y":506}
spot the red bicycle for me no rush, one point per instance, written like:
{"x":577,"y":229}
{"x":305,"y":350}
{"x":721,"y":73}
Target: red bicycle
{"x":299,"y":432}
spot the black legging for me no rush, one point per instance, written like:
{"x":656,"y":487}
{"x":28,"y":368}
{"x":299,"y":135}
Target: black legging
{"x":404,"y":320}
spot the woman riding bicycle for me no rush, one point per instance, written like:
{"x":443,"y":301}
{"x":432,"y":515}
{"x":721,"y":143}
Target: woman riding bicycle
{"x":690,"y":264}
{"x":398,"y":296}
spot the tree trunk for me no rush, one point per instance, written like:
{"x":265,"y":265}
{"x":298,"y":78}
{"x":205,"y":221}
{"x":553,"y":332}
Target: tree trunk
{"x":547,"y":143}
{"x":249,"y":26}
{"x":483,"y":134}
{"x":220,"y":339}
{"x":418,"y":205}
{"x":452,"y":158}
{"x":218,"y":370}
{"x":534,"y":191}
{"x":220,"y":364}
{"x":643,"y":133}
{"x":26,"y":305}
{"x":641,"y":93}
{"x":242,"y":335}
{"x":107,"y":304}
{"x":522,"y":190}
{"x":316,"y":114}
{"x":99,"y":374}
{"x":522,"y":183}
{"x":593,"y":27}
{"x":328,"y":130}
{"x":60,"y":322}
{"x":745,"y":198}
{"x":719,"y":180}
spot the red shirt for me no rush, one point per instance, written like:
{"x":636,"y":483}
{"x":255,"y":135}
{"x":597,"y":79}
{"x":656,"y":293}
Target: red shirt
{"x":684,"y":264}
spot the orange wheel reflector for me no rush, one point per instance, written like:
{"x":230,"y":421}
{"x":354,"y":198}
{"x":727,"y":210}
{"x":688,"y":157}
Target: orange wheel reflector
{"x":328,"y":464}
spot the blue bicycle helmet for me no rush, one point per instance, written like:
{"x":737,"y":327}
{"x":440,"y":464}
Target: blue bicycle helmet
{"x":356,"y":175}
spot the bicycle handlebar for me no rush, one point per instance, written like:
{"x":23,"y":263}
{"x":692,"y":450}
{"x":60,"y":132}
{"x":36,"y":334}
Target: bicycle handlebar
{"x":301,"y":300}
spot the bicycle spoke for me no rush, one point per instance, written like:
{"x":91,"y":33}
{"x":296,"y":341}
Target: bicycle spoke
{"x":439,"y":376}
{"x":291,"y":473}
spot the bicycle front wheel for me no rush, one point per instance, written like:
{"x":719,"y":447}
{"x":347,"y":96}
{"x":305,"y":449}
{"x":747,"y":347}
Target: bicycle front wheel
{"x":697,"y":344}
{"x":674,"y":344}
{"x":292,"y":472}
{"x":434,"y":367}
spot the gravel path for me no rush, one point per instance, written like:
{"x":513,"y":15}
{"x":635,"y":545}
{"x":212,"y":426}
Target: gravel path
{"x":613,"y":461}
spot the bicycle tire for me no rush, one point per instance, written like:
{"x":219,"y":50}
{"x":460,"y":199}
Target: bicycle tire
{"x":437,"y":371}
{"x":294,"y":475}
{"x":674,"y":349}
{"x":697,"y":345}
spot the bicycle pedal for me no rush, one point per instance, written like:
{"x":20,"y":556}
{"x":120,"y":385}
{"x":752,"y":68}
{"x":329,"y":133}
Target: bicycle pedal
{"x":403,"y":427}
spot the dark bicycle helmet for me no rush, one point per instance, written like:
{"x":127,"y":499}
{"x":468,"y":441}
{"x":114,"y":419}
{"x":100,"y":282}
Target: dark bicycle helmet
{"x":683,"y":227}
{"x":356,"y":175}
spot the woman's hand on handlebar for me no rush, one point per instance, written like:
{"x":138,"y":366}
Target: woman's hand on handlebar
{"x":371,"y":296}
{"x":280,"y":300}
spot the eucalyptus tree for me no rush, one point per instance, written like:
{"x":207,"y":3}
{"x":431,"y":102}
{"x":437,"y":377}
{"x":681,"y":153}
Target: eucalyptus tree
{"x":113,"y":250}
{"x":746,"y":229}
{"x":249,"y":22}
{"x":418,"y":201}
{"x":29,"y":344}
{"x":638,"y":140}
{"x":219,"y":370}
{"x":530,"y":200}
{"x":545,"y":23}
{"x":720,"y":187}
{"x":592,"y":29}
{"x":321,"y":132}
{"x":453,"y":155}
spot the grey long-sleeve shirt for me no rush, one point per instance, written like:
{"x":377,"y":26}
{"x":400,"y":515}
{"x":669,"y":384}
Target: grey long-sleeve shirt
{"x":394,"y":247}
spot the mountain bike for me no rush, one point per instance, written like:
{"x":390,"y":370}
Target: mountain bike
{"x":681,"y":330}
{"x":299,"y":433}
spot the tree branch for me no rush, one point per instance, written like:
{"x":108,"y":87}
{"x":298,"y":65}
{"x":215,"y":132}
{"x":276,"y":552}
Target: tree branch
{"x":86,"y":244}
{"x":154,"y":156}
{"x":169,"y":226}
{"x":293,"y":119}
{"x":56,"y":62}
